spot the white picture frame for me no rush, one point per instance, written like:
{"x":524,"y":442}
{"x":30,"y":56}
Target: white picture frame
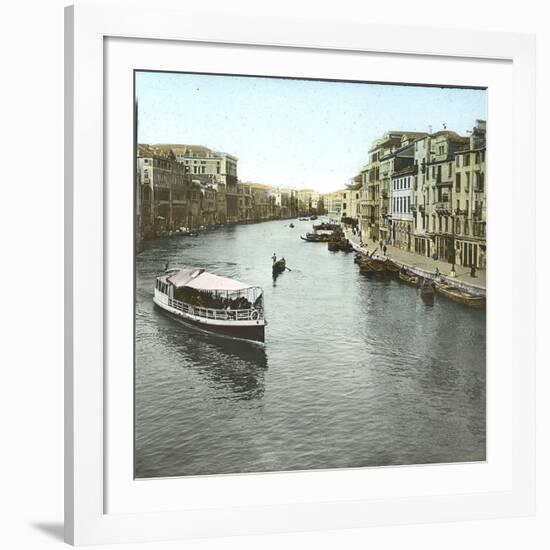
{"x":90,"y":476}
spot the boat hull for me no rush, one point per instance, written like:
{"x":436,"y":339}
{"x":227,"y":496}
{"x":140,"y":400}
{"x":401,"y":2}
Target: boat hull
{"x":408,"y":279}
{"x":250,"y":332}
{"x":460,"y":297}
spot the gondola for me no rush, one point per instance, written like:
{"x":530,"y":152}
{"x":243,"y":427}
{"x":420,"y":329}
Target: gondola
{"x":316,"y":238}
{"x":460,"y":296}
{"x":279,"y":266}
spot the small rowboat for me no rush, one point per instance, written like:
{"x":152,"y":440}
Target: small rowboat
{"x":408,"y":278}
{"x":460,"y":296}
{"x":427,"y":292}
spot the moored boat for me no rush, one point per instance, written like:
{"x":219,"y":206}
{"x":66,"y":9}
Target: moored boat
{"x":460,"y":296}
{"x":408,"y":278}
{"x":327,"y":226}
{"x":392,"y":266}
{"x":427,"y":292}
{"x":369,"y":265}
{"x":212,"y":303}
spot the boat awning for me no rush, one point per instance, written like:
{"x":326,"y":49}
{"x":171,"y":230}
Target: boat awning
{"x":202,"y":280}
{"x":209,"y":281}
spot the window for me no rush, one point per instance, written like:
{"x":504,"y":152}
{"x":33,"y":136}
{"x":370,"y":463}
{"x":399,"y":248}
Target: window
{"x":450,"y":169}
{"x":467,"y":182}
{"x":467,"y":159}
{"x":457,"y":186}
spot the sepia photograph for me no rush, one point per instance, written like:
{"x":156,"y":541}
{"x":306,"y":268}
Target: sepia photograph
{"x":310,"y":274}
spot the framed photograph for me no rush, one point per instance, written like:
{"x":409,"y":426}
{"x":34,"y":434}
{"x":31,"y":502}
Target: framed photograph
{"x":299,"y":288}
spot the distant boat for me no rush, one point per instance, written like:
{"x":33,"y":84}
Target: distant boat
{"x":313,"y":217}
{"x":212,"y":303}
{"x":460,"y":296}
{"x":291,"y":225}
{"x":317,"y":237}
{"x":327,"y":226}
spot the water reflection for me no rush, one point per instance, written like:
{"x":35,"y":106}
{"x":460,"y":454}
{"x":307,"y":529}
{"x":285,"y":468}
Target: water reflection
{"x":226,"y":363}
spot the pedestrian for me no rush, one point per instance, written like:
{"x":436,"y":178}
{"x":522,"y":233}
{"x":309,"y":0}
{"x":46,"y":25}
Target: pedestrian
{"x":473,"y":271}
{"x":274,"y":257}
{"x":384,"y":249}
{"x":453,"y":272}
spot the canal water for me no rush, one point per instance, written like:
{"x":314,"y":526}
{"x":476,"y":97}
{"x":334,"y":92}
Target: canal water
{"x":355,"y":372}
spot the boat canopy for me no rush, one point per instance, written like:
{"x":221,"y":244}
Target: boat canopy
{"x":202,"y":280}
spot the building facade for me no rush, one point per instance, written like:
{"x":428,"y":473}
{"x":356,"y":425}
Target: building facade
{"x":401,"y":223}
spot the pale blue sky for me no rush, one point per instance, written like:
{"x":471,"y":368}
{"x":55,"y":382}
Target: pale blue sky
{"x":294,"y":132}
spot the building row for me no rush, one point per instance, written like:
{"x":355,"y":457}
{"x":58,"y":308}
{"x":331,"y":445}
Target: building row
{"x":423,"y":193}
{"x":191,"y":186}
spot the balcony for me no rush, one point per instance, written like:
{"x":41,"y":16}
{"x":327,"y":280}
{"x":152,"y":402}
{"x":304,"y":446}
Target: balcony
{"x":443,"y":206}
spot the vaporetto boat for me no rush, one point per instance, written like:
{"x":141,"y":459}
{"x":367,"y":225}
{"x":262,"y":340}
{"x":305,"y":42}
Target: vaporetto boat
{"x":212,"y":303}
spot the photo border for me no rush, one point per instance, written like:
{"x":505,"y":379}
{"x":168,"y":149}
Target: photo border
{"x":86,"y":26}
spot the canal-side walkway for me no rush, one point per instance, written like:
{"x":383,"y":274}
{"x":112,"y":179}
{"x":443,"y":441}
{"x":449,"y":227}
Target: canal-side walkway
{"x":424,"y":266}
